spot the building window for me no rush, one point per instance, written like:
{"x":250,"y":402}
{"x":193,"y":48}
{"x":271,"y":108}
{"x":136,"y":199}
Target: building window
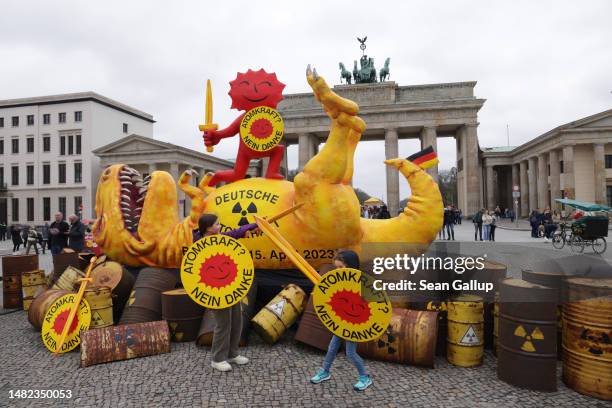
{"x":61,"y":173}
{"x":62,"y":205}
{"x":30,"y":120}
{"x":608,"y":161}
{"x":78,"y":144}
{"x":46,"y":208}
{"x":2,"y":177}
{"x":1,"y":122}
{"x":15,"y":209}
{"x":30,"y":174}
{"x":30,"y":145}
{"x":70,"y":144}
{"x":561,"y":167}
{"x":78,"y":116}
{"x":30,"y":208}
{"x":15,"y":146}
{"x":46,"y":118}
{"x":15,"y":175}
{"x":78,"y":172}
{"x":78,"y":203}
{"x":15,"y":121}
{"x":46,"y":143}
{"x":125,"y":128}
{"x":46,"y":173}
{"x":61,"y":117}
{"x":62,"y":145}
{"x":1,"y":146}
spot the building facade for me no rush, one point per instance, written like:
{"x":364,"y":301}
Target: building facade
{"x":46,"y":159}
{"x":571,"y":161}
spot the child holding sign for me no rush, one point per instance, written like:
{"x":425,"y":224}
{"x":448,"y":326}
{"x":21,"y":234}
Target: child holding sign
{"x":228,"y":321}
{"x":344,"y":259}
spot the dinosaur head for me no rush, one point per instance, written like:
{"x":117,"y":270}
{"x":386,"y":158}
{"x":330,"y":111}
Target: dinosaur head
{"x":132,"y":211}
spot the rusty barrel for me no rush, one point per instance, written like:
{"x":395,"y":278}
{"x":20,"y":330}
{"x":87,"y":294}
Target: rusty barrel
{"x":61,"y":262}
{"x":182,"y":314}
{"x":118,"y":279}
{"x":280,"y":313}
{"x":527,"y":344}
{"x":41,"y":304}
{"x":144,"y":303}
{"x":587,"y":334}
{"x":115,"y":343}
{"x":440,"y":307}
{"x":68,"y":279}
{"x":409,"y":339}
{"x":465,"y":342}
{"x":32,"y":284}
{"x":100,"y":304}
{"x":12,"y":268}
{"x":311,"y":330}
{"x":555,"y":280}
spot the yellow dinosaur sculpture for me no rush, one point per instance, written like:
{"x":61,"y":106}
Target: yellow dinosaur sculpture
{"x":138,"y":223}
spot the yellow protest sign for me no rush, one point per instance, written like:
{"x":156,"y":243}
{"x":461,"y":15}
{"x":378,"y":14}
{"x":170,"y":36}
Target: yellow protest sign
{"x":262,"y":128}
{"x":217,"y":271}
{"x":348,"y":305}
{"x":56,"y":318}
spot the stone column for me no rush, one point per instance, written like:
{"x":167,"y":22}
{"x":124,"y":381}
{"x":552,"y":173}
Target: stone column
{"x":515,"y":182}
{"x":542,"y":181}
{"x":524,"y":183}
{"x":305,"y":149}
{"x":533,"y":189}
{"x":568,"y":172}
{"x":430,"y":138}
{"x":490,"y":187}
{"x":600,"y":173}
{"x":555,"y":178}
{"x":152,"y":168}
{"x":473,"y":171}
{"x":392,"y":152}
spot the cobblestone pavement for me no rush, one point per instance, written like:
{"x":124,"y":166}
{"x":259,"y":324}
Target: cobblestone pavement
{"x":276,"y":377}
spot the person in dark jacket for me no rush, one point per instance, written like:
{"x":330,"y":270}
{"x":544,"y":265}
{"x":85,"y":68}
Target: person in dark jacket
{"x":383,"y":213}
{"x":58,"y":230}
{"x":535,"y":220}
{"x":16,"y":237}
{"x":449,"y":222}
{"x":76,"y":234}
{"x":477,"y":220}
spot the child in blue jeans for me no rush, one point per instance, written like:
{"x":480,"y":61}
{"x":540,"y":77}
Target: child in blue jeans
{"x":344,"y":259}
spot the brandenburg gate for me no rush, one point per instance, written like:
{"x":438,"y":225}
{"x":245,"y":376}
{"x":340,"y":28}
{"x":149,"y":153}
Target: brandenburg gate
{"x":394,"y":112}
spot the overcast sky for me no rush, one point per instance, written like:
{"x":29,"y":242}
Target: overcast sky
{"x":538,"y":64}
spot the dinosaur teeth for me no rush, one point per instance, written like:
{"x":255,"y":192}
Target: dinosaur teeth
{"x":125,"y":197}
{"x":125,"y":177}
{"x":141,"y":199}
{"x":125,"y":190}
{"x":143,"y":189}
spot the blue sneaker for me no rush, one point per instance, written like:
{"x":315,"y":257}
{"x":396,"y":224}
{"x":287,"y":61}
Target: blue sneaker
{"x":364,"y":382}
{"x":320,"y":376}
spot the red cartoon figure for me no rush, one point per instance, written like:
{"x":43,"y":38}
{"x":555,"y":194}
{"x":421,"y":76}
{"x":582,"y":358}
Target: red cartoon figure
{"x":253,"y":89}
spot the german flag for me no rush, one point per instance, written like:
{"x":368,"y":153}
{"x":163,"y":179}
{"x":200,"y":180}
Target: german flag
{"x":425,"y":159}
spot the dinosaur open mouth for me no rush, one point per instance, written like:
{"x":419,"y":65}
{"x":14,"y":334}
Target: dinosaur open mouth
{"x":133,"y":192}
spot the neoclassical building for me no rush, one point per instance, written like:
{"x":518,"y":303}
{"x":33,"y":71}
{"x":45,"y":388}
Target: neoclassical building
{"x":573,"y":160}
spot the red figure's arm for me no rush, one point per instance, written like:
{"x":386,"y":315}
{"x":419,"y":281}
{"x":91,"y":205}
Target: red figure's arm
{"x":231,"y":130}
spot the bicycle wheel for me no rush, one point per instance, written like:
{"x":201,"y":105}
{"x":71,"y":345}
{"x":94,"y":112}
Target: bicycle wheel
{"x":577,"y":244}
{"x":558,"y":240}
{"x":599,"y":245}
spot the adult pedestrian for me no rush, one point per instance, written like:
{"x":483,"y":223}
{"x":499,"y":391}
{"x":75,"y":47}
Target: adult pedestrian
{"x":32,"y":239}
{"x":383,"y":213}
{"x":492,"y":228}
{"x":487,"y":219}
{"x":16,"y":237}
{"x":45,"y":237}
{"x":449,"y":223}
{"x":2,"y":231}
{"x":58,"y":230}
{"x":76,"y":234}
{"x":497,"y":212}
{"x":533,"y":221}
{"x":477,"y":220}
{"x":549,"y":226}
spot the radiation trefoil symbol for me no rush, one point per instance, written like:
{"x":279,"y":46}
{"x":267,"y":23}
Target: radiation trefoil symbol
{"x":470,"y":337}
{"x":389,"y":342}
{"x":536,"y":334}
{"x":237,"y":209}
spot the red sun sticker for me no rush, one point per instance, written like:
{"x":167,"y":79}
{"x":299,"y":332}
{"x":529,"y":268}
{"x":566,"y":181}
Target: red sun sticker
{"x":218,"y":271}
{"x":261,"y":128}
{"x":255,"y":88}
{"x":60,"y":322}
{"x":350,"y":306}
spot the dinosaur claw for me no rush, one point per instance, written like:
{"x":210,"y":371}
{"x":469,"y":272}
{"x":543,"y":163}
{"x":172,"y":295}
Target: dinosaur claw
{"x":308,"y":70}
{"x":314,"y":74}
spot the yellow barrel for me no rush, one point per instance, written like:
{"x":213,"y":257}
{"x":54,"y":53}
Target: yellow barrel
{"x":495,"y":323}
{"x":33,"y":283}
{"x":587,"y":330}
{"x":465,"y":342}
{"x":282,"y":311}
{"x":101,"y":305}
{"x":69,"y":279}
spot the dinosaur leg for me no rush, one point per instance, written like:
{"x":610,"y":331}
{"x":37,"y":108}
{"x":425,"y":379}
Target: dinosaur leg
{"x":274,"y":165}
{"x":238,"y":172}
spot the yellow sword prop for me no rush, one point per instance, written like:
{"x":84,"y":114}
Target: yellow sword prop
{"x":208,"y":114}
{"x":73,"y":311}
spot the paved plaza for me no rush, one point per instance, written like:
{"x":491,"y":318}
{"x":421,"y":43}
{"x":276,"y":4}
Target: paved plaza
{"x":278,"y":374}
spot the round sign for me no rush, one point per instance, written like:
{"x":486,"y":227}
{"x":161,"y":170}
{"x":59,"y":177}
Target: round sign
{"x":56,"y":318}
{"x":262,"y":128}
{"x":217,"y":271}
{"x":348,"y":305}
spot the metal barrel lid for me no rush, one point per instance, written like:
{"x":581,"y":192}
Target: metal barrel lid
{"x":525,"y":300}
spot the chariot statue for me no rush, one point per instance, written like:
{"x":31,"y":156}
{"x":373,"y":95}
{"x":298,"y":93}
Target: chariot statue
{"x":366,"y":72}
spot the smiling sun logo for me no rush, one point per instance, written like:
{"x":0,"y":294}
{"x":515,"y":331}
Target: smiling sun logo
{"x":60,"y":322}
{"x":348,"y":305}
{"x":218,"y":271}
{"x":55,"y":321}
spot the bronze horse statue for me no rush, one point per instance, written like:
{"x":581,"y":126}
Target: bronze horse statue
{"x":344,"y":74}
{"x":384,"y":71}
